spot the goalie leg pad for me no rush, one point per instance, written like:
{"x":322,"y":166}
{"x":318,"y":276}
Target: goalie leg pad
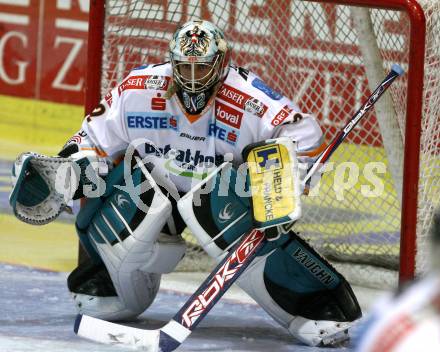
{"x":292,"y":282}
{"x":128,"y":240}
{"x":219,"y":217}
{"x":301,"y":291}
{"x":93,"y":292}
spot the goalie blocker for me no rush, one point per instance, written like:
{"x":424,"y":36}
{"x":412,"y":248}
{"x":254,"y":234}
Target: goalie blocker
{"x":291,"y":281}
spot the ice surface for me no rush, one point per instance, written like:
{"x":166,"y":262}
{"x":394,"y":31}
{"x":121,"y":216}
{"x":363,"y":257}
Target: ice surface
{"x":38,"y":315}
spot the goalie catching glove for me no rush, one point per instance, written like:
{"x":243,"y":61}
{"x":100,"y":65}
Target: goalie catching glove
{"x":43,"y":186}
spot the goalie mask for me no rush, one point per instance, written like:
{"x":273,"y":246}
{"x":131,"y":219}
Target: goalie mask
{"x":200,"y":58}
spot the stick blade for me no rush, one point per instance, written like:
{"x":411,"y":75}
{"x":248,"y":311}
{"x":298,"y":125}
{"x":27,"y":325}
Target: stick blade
{"x":114,"y":334}
{"x":398,"y":69}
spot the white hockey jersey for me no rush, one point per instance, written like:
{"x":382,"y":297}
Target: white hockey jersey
{"x":406,"y":323}
{"x":245,"y":110}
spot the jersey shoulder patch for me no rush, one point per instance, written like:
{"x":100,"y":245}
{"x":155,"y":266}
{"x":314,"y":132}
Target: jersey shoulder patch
{"x":140,"y":67}
{"x":148,"y":77}
{"x":269,"y":91}
{"x":238,"y":92}
{"x":241,"y":99}
{"x":246,"y":90}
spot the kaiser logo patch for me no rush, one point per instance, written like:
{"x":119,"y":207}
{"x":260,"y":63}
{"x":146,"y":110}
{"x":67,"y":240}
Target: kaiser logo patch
{"x":242,"y":100}
{"x":157,"y":82}
{"x":255,"y":107}
{"x":144,"y":82}
{"x":134,"y":82}
{"x":233,"y":96}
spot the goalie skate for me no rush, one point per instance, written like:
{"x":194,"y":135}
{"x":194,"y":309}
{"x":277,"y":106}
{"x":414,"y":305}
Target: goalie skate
{"x":319,"y":333}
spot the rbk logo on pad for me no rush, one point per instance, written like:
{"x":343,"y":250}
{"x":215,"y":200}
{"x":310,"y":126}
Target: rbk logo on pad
{"x":268,"y":158}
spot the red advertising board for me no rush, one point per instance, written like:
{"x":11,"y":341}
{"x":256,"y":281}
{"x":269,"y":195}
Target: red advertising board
{"x":304,"y":49}
{"x":43,"y":49}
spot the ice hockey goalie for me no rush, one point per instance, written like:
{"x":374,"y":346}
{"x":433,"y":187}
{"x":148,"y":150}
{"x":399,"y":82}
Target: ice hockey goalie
{"x":159,"y":133}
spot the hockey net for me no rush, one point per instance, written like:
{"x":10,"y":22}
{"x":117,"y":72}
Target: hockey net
{"x":326,"y":57}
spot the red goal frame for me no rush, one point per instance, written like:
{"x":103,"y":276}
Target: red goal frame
{"x":413,"y":113}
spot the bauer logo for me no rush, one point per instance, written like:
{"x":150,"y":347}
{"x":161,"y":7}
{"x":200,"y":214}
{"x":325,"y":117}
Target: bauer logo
{"x":281,"y":116}
{"x":268,"y":158}
{"x":228,"y":115}
{"x":259,"y":84}
{"x":191,"y":137}
{"x":255,"y":107}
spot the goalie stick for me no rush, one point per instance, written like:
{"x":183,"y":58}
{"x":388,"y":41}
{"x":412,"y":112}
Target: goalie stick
{"x":395,"y":72}
{"x":170,"y":336}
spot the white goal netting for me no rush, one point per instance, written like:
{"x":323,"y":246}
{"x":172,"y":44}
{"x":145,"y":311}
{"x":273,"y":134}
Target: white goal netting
{"x":326,"y":58}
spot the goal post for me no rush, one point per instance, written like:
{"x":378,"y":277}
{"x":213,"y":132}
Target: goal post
{"x":325,"y":55}
{"x":92,"y":91}
{"x":95,"y":43}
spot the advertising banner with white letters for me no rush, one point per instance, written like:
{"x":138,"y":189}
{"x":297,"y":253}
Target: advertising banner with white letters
{"x":43,"y":45}
{"x":43,"y":49}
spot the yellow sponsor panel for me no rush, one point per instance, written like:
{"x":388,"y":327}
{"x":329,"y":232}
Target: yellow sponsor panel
{"x":44,"y":127}
{"x":272,"y":182}
{"x":6,"y":189}
{"x":52,"y":247}
{"x":41,"y":126}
